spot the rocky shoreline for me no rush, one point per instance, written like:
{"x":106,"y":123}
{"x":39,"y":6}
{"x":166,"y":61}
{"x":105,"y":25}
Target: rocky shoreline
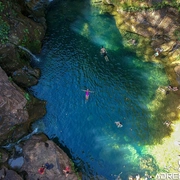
{"x":23,"y":27}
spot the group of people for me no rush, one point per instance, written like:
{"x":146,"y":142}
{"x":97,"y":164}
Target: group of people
{"x":45,"y":166}
{"x":41,"y":170}
{"x":171,"y":88}
{"x":158,"y":51}
{"x":167,"y":89}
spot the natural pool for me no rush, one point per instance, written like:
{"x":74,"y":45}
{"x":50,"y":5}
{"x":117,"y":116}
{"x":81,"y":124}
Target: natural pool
{"x":123,"y":88}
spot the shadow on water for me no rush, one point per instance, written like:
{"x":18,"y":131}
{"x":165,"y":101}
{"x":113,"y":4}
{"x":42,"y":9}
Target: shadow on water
{"x":123,"y":86}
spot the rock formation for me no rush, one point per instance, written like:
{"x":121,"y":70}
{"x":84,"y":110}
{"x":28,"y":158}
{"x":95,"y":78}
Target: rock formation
{"x":12,"y":107}
{"x":38,"y":151}
{"x":23,"y":27}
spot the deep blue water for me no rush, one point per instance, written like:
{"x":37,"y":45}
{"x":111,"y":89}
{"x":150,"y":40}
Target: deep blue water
{"x":70,"y":61}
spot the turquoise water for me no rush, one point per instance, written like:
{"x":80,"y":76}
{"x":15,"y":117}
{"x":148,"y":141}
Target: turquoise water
{"x":70,"y":61}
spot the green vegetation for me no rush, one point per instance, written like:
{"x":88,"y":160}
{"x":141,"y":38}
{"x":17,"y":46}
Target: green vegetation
{"x":12,"y":128}
{"x":26,"y":31}
{"x":26,"y":95}
{"x":1,"y":7}
{"x":4,"y":27}
{"x":4,"y":31}
{"x":36,"y":45}
{"x":10,"y":79}
{"x":33,"y":45}
{"x":177,"y":34}
{"x":24,"y":41}
{"x":178,"y":57}
{"x":74,"y":169}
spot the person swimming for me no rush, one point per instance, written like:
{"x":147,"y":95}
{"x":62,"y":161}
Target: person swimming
{"x":87,"y":92}
{"x":104,"y":53}
{"x":118,"y":124}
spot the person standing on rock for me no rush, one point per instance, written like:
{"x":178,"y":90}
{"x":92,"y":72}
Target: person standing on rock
{"x":41,"y":170}
{"x":66,"y":171}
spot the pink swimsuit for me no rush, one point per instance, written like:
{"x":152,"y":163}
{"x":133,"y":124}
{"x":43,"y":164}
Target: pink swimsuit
{"x":87,"y":93}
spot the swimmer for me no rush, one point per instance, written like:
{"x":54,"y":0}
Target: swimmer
{"x":87,"y":93}
{"x":137,"y":177}
{"x":118,"y":124}
{"x":173,"y":88}
{"x":158,"y":51}
{"x":104,"y":53}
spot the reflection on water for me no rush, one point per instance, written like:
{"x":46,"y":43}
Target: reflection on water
{"x":123,"y":86}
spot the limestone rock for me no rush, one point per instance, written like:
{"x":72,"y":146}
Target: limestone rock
{"x":38,"y":151}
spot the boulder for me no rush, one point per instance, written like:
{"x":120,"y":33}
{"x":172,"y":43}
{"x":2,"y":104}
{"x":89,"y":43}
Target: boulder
{"x":38,"y":151}
{"x":12,"y":106}
{"x":17,"y":110}
{"x":3,"y":156}
{"x":36,"y":10}
{"x":6,"y":174}
{"x":26,"y":76}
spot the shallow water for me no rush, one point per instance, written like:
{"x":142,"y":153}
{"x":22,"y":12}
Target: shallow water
{"x":70,"y":62}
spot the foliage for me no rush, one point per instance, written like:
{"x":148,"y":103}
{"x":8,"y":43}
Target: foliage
{"x":26,"y":31}
{"x":12,"y":128}
{"x":26,"y":95}
{"x":74,"y":169}
{"x":4,"y":31}
{"x":1,"y":7}
{"x":177,"y":34}
{"x":178,"y":57}
{"x":10,"y":79}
